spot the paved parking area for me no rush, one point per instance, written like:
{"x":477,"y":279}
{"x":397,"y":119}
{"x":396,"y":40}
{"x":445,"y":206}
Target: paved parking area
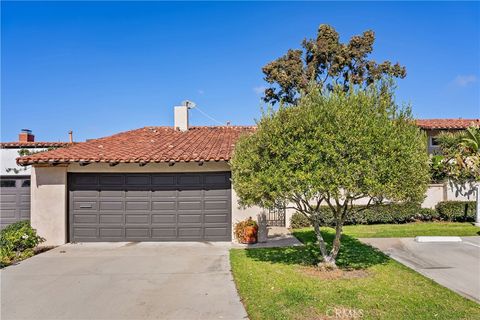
{"x":455,"y":265}
{"x":123,"y":281}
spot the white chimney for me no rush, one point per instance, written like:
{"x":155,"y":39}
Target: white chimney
{"x":181,"y":115}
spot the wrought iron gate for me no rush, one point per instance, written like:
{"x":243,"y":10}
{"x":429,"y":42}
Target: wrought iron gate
{"x":276,"y":216}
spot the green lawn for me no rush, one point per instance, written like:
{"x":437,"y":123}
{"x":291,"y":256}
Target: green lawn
{"x":412,"y":230}
{"x":280,"y":283}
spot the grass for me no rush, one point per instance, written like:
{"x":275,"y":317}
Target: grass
{"x":280,"y":283}
{"x":412,"y":230}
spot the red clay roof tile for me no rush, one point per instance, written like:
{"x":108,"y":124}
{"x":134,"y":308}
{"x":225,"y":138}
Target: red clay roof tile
{"x":447,"y":123}
{"x":149,"y":144}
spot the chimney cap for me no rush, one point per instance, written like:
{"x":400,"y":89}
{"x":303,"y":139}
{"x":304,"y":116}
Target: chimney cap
{"x":26,"y":131}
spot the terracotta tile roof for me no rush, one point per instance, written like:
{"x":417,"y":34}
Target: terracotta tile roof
{"x":447,"y":123}
{"x":17,"y":144}
{"x":149,"y":144}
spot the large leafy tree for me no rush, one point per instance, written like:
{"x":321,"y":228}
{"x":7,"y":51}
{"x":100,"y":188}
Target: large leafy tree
{"x":332,"y":149}
{"x":328,"y":62}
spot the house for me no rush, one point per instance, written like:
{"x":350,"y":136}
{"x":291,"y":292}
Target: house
{"x":433,"y":127}
{"x":15,"y":179}
{"x":148,"y":184}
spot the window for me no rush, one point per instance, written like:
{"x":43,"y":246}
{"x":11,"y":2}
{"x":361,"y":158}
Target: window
{"x":434,"y":142}
{"x":7,"y":183}
{"x":25,"y":183}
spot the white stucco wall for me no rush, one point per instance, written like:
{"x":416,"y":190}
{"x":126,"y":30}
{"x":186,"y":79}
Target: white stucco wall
{"x":49,"y":203}
{"x":8,"y":160}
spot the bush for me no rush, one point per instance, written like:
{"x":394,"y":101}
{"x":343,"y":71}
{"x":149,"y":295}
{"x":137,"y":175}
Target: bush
{"x":380,"y":214}
{"x":239,"y":229}
{"x":17,"y":242}
{"x":298,"y":220}
{"x":457,"y":210}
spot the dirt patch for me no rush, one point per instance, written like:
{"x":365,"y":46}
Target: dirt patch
{"x":333,"y":274}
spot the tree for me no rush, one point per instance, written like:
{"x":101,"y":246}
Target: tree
{"x":328,"y":62}
{"x":461,"y":159}
{"x":332,"y":149}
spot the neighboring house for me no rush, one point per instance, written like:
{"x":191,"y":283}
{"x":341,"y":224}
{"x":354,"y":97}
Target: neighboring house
{"x":433,"y":127}
{"x":148,"y":184}
{"x":15,"y":179}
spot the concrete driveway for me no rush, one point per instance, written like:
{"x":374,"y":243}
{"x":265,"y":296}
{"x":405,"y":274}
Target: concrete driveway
{"x":455,"y":265}
{"x":123,"y":281}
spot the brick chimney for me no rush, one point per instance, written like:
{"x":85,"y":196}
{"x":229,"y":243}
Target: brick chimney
{"x":26,"y":135}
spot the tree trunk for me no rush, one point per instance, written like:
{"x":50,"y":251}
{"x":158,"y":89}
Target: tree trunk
{"x":327,"y":262}
{"x":336,"y":241}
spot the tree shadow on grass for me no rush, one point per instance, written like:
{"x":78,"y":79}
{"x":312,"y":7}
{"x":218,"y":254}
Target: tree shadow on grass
{"x":353,"y":253}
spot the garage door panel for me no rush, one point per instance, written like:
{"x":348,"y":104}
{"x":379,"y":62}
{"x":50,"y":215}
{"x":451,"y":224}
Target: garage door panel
{"x":216,"y":218}
{"x":164,"y":218}
{"x":8,"y":198}
{"x":136,"y":179}
{"x":151,"y":207}
{"x":163,"y":180}
{"x":137,"y":205}
{"x":163,"y":205}
{"x":85,"y":193}
{"x":190,"y":232}
{"x":137,"y":219}
{"x":86,"y":232}
{"x":85,"y":218}
{"x":110,"y":232}
{"x":86,"y":179}
{"x":189,"y":205}
{"x":106,"y":194}
{"x":137,"y":194}
{"x":111,"y":205}
{"x":85,"y":206}
{"x":112,"y":219}
{"x":164,"y":233}
{"x":189,"y":218}
{"x":7,"y":213}
{"x":25,"y":214}
{"x":137,"y":232}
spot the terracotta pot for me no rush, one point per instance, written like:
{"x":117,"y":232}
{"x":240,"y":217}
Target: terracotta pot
{"x":250,"y":235}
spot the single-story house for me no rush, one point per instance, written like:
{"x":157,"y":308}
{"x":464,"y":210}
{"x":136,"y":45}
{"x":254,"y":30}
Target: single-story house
{"x":15,"y":179}
{"x":148,"y":184}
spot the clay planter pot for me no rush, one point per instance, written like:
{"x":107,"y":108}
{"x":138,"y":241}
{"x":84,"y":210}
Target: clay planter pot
{"x":250,"y":235}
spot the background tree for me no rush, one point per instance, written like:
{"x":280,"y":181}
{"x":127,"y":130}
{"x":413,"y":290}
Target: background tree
{"x":332,"y":149}
{"x":328,"y":62}
{"x":460,"y":160}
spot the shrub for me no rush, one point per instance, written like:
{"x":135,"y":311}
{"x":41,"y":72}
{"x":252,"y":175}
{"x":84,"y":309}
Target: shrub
{"x":457,"y":210}
{"x":299,"y":220}
{"x":17,"y":242}
{"x":385,"y":213}
{"x":239,"y":229}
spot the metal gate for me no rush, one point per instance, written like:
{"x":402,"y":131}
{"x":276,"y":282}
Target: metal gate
{"x":276,"y":216}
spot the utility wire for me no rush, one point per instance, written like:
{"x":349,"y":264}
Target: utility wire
{"x":208,"y":116}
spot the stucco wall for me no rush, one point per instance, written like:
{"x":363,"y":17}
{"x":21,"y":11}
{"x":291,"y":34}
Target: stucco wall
{"x":49,"y":203}
{"x":8,"y":160}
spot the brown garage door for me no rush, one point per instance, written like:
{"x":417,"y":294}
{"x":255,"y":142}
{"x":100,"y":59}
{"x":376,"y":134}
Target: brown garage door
{"x":150,"y":207}
{"x":14,"y":199}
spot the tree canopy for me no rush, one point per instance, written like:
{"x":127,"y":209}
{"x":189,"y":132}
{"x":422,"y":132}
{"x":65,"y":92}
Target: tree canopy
{"x":333,"y":148}
{"x":328,"y":62}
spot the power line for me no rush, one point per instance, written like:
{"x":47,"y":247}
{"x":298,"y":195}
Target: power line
{"x":208,"y":116}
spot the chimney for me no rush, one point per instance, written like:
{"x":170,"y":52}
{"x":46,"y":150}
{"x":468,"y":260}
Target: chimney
{"x":70,"y":136}
{"x":181,"y":115}
{"x":26,"y":135}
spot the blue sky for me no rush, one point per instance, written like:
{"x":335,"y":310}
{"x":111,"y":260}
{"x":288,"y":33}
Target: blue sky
{"x":103,"y":67}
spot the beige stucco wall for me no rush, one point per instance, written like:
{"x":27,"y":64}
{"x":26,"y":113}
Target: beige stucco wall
{"x":435,"y":193}
{"x":49,"y":203}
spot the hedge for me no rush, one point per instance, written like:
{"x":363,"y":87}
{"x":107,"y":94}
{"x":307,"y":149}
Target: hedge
{"x":457,"y":210}
{"x":397,"y":213}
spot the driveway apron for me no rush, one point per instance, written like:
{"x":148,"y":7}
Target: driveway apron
{"x":123,"y":281}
